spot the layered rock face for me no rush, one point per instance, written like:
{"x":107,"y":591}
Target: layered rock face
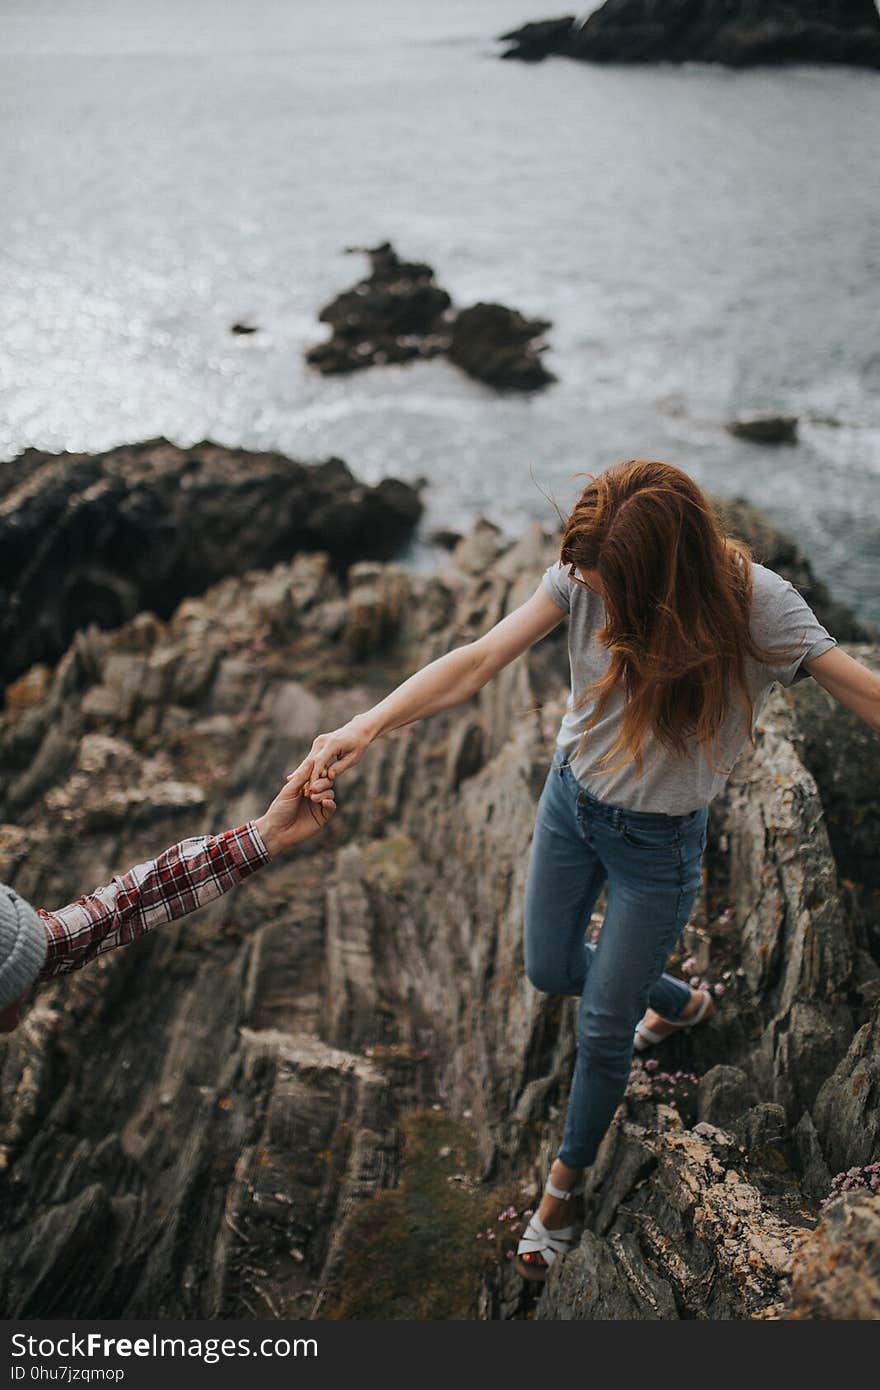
{"x":188,"y":1124}
{"x":732,"y":32}
{"x":99,"y":538}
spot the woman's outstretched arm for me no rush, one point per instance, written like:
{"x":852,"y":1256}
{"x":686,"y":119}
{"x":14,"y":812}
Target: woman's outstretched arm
{"x":440,"y":685}
{"x":849,"y":682}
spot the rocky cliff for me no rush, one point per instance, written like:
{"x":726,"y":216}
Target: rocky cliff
{"x":101,"y":537}
{"x":195,"y":1126}
{"x":734,"y":32}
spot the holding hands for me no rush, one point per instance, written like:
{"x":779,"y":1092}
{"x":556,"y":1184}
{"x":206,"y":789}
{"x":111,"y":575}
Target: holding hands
{"x":299,"y":811}
{"x":330,"y":755}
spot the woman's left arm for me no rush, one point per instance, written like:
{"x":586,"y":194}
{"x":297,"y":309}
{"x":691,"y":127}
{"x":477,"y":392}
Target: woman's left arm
{"x":849,"y":682}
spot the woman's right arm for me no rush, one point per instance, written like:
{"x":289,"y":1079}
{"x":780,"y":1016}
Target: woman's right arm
{"x":440,"y":685}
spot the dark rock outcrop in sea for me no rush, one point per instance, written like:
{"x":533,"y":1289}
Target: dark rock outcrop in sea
{"x":765,"y":429}
{"x":731,"y":32}
{"x":399,"y":313}
{"x":500,"y":346}
{"x":396,"y":314}
{"x":189,"y":1127}
{"x":539,"y":39}
{"x":100,"y":537}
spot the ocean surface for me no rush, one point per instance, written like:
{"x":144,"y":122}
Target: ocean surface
{"x":706,"y":242}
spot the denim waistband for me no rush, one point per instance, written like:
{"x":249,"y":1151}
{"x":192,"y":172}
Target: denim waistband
{"x":614,"y":814}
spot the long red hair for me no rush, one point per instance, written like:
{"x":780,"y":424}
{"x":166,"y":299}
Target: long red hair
{"x":677,"y":594}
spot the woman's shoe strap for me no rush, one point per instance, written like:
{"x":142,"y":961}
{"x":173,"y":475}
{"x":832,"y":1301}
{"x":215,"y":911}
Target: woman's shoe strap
{"x":555,"y":1191}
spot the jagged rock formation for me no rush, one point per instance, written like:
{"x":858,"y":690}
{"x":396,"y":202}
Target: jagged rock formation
{"x":399,"y":313}
{"x":186,"y":1125}
{"x":711,"y":31}
{"x":102,"y":537}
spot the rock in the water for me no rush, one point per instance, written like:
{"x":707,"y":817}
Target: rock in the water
{"x":244,"y":329}
{"x":399,"y":313}
{"x":732,"y":32}
{"x":766,"y":429}
{"x":537,"y":40}
{"x":395,"y":315}
{"x":501,"y":347}
{"x":98,"y":538}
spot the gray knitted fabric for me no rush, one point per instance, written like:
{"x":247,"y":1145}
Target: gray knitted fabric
{"x":23,"y":945}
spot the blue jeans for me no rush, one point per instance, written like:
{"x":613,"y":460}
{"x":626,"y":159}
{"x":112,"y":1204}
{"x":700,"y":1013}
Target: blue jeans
{"x":652,"y":864}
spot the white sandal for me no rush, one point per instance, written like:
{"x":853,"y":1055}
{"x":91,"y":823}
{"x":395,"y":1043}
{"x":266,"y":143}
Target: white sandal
{"x":645,"y":1037}
{"x":538,"y":1240}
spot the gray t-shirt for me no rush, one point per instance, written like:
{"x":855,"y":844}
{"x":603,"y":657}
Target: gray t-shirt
{"x":672,"y":783}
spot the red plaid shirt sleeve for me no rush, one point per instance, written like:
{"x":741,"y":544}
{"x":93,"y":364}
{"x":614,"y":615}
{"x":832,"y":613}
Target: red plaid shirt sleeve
{"x":185,"y":877}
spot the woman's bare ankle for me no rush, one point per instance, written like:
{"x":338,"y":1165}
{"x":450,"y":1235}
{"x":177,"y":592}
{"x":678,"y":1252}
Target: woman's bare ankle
{"x":556,"y":1211}
{"x":658,"y":1024}
{"x":563,"y":1176}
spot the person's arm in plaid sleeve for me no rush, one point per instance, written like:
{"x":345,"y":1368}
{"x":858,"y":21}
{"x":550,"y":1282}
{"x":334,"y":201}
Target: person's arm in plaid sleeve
{"x":181,"y":879}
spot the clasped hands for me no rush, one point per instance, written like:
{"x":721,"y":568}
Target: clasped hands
{"x":330,"y":755}
{"x":307,"y":800}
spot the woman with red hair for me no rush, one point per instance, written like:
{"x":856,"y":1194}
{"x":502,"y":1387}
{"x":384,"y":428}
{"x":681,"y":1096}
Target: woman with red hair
{"x":675,"y":636}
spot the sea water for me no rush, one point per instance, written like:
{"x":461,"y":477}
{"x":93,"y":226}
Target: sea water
{"x":705,"y":241}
